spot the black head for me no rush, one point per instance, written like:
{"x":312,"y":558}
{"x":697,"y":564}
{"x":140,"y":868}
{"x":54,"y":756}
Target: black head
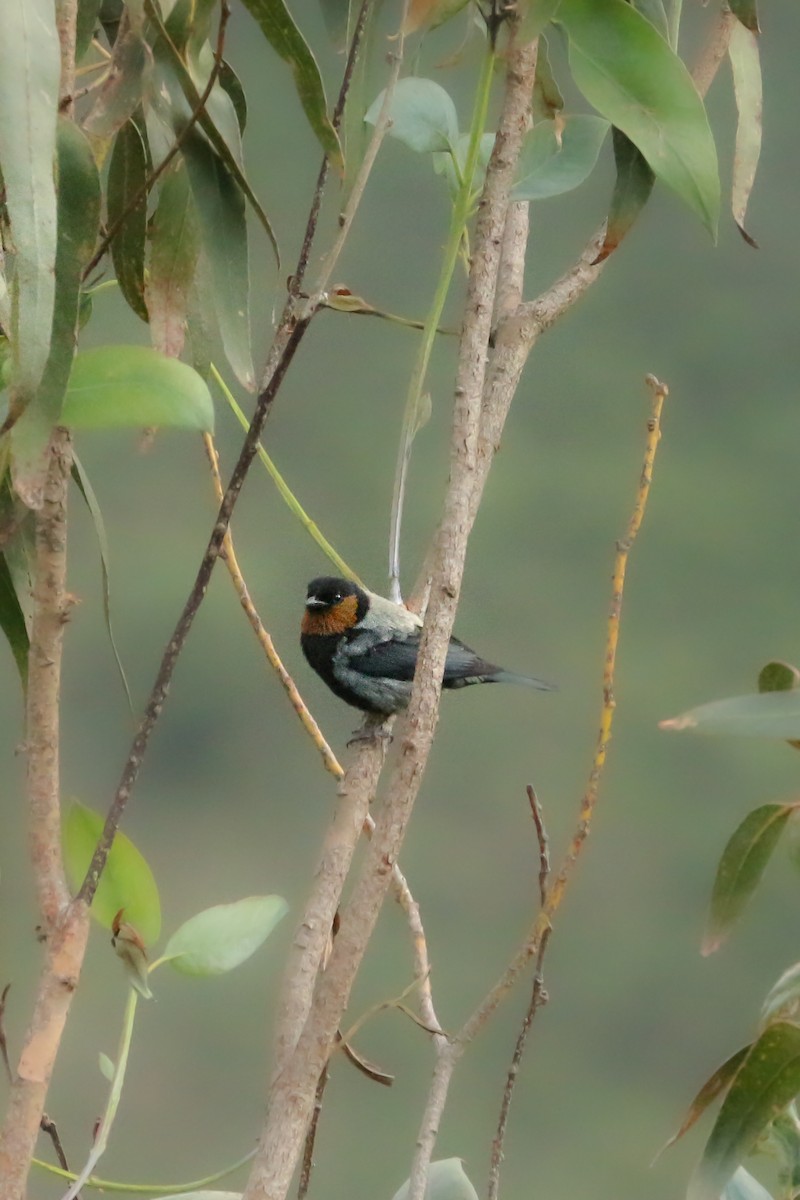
{"x":328,"y":592}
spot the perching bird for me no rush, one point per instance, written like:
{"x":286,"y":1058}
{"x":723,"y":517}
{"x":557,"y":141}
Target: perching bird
{"x":365,"y":648}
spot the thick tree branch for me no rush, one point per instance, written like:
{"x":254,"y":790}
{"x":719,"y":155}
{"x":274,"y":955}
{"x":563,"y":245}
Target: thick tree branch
{"x":291,"y":1098}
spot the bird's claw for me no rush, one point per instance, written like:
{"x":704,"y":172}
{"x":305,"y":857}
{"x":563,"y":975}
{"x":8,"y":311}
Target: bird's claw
{"x":371,"y":731}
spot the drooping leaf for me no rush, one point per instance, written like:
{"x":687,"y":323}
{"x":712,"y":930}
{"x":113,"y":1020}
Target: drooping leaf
{"x":223,"y":231}
{"x":422,"y":115}
{"x":746,"y":11}
{"x":127,"y":882}
{"x":121,"y":94}
{"x":12,"y":621}
{"x":742,"y":1186}
{"x":229,"y":81}
{"x":447,"y":1180}
{"x":783,"y":999}
{"x":550,"y":165}
{"x":87,"y":491}
{"x":654,"y":12}
{"x":632,"y":77}
{"x":127,"y":174}
{"x":280,"y":30}
{"x":767,"y":1080}
{"x":741,"y":867}
{"x":166,"y":52}
{"x":30,"y":70}
{"x":88,"y":12}
{"x":632,"y":188}
{"x":220,"y":938}
{"x":746,"y":68}
{"x":547,"y":98}
{"x":135,"y":386}
{"x":173,"y":254}
{"x":713,"y":1087}
{"x":78,"y":225}
{"x":764,"y":714}
{"x":536,"y":15}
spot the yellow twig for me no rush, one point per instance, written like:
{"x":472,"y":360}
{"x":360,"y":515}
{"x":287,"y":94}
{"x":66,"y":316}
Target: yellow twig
{"x":555,"y":894}
{"x":295,"y":699}
{"x":402,"y":891}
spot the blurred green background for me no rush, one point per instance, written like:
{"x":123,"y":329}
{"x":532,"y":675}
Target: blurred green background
{"x":232,"y":799}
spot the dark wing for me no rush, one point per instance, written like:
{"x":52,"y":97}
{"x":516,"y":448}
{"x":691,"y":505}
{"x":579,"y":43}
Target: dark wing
{"x":398,"y":660}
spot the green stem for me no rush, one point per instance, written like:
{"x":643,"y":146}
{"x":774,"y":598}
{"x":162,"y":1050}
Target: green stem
{"x":114,"y":1095}
{"x":674,"y":26}
{"x":286,"y":492}
{"x":148,"y":1189}
{"x":462,"y":209}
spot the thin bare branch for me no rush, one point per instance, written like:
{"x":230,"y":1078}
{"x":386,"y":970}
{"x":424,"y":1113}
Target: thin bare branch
{"x":538,"y":998}
{"x":228,"y":555}
{"x":176,"y":643}
{"x":540,"y":929}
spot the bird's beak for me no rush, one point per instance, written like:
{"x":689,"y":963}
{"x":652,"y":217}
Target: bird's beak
{"x":315,"y":602}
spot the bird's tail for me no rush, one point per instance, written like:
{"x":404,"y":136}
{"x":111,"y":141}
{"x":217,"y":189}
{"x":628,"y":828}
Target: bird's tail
{"x":502,"y":676}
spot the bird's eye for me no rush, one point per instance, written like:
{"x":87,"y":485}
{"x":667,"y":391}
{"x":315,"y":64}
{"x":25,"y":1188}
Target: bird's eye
{"x":337,"y":596}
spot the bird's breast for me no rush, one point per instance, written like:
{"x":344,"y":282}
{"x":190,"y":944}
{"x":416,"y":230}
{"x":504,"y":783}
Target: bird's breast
{"x":331,"y":621}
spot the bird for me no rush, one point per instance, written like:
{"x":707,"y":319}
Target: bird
{"x":365,"y":648}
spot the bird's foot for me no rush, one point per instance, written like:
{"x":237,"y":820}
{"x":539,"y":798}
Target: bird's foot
{"x":374,"y":729}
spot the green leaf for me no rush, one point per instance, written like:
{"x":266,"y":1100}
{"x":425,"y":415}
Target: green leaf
{"x":767,"y":1080}
{"x":742,"y":1186}
{"x":88,"y":11}
{"x":765,"y":714}
{"x":12,"y":620}
{"x":126,"y":883}
{"x":536,"y":14}
{"x":632,"y":188}
{"x":87,"y":491}
{"x":746,"y":11}
{"x":422,"y":116}
{"x":778,"y":676}
{"x":30,"y":71}
{"x":547,"y":98}
{"x":127,"y":174}
{"x":220,"y":938}
{"x":629,"y":73}
{"x":278,"y":27}
{"x":173,"y":256}
{"x":231,"y":84}
{"x":746,"y":68}
{"x":653,"y":11}
{"x":741,"y":867}
{"x":135,"y":386}
{"x":550,"y":165}
{"x":127,"y":82}
{"x":783,"y":999}
{"x":78,"y":226}
{"x":221,"y":220}
{"x":447,"y":1180}
{"x":713,"y":1087}
{"x":169,"y":56}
